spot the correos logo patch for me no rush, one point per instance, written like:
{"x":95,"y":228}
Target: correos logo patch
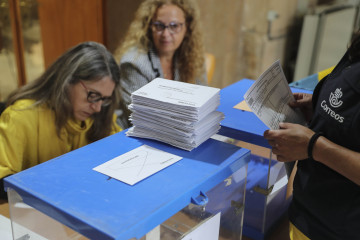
{"x":335,"y":103}
{"x":334,"y":98}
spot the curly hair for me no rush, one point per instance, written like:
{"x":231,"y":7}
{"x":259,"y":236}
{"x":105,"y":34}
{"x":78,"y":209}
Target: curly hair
{"x":190,"y":54}
{"x":88,"y":61}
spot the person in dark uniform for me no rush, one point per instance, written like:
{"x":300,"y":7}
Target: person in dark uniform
{"x":326,"y":195}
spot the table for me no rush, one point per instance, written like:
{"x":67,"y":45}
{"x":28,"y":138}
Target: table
{"x":69,"y":191}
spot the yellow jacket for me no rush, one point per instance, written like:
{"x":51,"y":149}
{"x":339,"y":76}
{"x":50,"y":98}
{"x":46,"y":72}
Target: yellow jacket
{"x":28,"y":136}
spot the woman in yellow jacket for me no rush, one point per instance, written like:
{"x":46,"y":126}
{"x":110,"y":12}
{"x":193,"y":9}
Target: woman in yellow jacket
{"x":70,"y":105}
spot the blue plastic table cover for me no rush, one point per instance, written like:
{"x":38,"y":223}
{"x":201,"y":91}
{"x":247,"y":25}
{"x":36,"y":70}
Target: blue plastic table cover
{"x":68,"y":190}
{"x":241,"y":124}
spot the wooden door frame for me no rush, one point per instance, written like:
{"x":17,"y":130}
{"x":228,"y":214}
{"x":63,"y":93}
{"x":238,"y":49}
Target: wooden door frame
{"x":15,"y":19}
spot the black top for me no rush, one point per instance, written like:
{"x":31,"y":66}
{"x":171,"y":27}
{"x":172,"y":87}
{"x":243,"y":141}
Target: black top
{"x":326,"y":205}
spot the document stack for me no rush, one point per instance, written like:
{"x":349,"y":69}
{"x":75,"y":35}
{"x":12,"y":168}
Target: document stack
{"x":181,"y":114}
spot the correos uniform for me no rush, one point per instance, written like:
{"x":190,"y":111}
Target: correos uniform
{"x":321,"y":195}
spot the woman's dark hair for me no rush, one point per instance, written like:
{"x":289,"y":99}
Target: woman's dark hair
{"x":88,"y":61}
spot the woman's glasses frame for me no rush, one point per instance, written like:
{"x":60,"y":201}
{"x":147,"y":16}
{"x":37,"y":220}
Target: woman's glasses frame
{"x":94,"y":97}
{"x":173,"y":27}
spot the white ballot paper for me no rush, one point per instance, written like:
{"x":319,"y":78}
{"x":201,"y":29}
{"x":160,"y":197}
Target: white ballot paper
{"x":208,"y":230}
{"x":180,"y":114}
{"x":269,"y":96}
{"x":193,"y":100}
{"x":137,"y":164}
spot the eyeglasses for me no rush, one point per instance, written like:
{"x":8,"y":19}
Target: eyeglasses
{"x":174,"y":27}
{"x":94,"y":97}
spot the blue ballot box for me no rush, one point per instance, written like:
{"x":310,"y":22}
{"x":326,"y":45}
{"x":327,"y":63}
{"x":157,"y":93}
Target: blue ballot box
{"x":65,"y":198}
{"x":266,"y":199}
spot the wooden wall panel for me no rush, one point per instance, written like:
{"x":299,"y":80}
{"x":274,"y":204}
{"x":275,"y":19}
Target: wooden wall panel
{"x":14,"y":12}
{"x":236,"y":33}
{"x":66,"y":23}
{"x":221,"y":24}
{"x":224,"y":24}
{"x":119,"y":15}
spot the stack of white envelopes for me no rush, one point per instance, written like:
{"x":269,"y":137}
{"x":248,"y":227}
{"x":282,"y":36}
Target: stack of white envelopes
{"x":181,"y":114}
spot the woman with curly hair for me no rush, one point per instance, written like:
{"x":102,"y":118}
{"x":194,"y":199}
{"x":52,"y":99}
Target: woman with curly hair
{"x":164,"y":40}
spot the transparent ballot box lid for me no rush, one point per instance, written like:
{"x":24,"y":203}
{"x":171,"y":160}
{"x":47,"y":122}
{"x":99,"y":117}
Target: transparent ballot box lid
{"x":68,"y":190}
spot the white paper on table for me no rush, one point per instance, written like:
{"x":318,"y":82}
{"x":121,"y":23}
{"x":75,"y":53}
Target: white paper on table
{"x":137,"y":164}
{"x":269,"y":96}
{"x":208,"y":230}
{"x":140,"y":131}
